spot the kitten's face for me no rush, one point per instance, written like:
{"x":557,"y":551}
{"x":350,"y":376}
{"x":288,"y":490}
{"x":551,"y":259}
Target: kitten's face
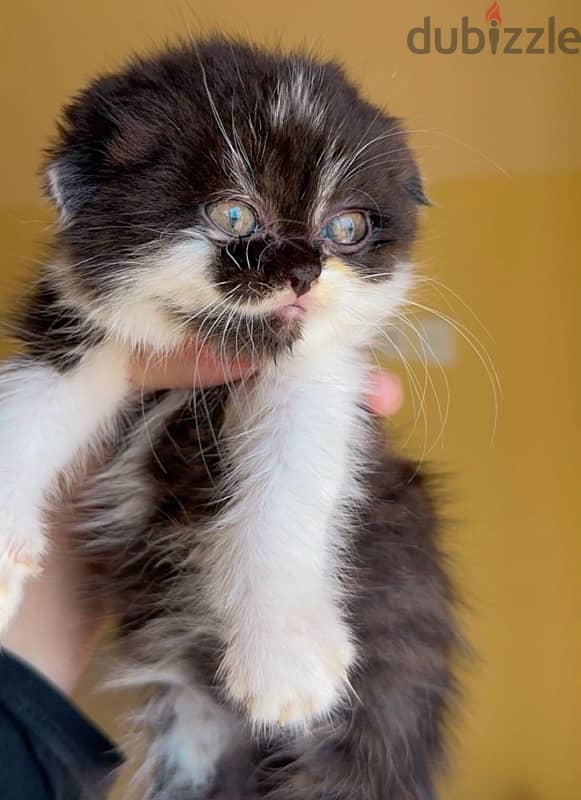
{"x":246,"y":198}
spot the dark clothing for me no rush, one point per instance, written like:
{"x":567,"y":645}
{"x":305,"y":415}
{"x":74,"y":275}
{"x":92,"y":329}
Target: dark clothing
{"x":48,"y":749}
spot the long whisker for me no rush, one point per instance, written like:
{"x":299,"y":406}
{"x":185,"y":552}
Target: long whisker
{"x":440,"y":285}
{"x":416,"y":389}
{"x":428,"y":350}
{"x":239,"y":160}
{"x":423,"y":398}
{"x":477,"y":348}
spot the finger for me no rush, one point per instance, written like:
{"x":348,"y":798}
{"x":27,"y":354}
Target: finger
{"x":384,"y":393}
{"x":186,"y":370}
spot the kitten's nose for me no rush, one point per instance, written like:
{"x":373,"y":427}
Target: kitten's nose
{"x":302,"y":277}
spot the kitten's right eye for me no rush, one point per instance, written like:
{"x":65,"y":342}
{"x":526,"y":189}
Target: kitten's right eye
{"x":232,"y":217}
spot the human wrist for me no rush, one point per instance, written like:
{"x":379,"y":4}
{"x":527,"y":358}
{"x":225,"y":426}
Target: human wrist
{"x":54,"y":631}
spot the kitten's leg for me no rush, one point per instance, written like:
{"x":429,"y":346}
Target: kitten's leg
{"x":188,"y":734}
{"x":46,"y":419}
{"x":276,"y":548}
{"x":387,"y":743}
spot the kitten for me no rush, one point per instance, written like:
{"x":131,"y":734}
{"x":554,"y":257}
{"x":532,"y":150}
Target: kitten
{"x":278,"y":581}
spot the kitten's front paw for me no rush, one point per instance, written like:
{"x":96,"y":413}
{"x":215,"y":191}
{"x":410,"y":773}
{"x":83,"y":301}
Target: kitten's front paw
{"x":20,"y":559}
{"x":290,"y":676}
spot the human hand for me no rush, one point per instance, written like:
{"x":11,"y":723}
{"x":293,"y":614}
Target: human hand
{"x":201,"y":368}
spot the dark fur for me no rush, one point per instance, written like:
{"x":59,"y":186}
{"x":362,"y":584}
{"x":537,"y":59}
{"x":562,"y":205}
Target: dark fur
{"x":53,"y":332}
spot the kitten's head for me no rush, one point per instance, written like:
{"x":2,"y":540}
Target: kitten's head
{"x":247,"y":197}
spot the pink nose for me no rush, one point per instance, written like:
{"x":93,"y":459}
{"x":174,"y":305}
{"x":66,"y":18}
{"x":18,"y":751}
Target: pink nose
{"x":303,"y":277}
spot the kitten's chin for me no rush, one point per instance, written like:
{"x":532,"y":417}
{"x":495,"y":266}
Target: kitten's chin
{"x":287,"y":324}
{"x":277,"y":327}
{"x":291,"y":313}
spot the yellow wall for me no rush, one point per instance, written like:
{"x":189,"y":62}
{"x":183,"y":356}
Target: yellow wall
{"x":510,"y":248}
{"x":507,"y":242}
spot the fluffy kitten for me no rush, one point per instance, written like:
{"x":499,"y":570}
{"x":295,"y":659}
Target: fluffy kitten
{"x":275,"y":574}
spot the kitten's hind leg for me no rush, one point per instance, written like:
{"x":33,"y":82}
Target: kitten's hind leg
{"x":47,"y":417}
{"x":192,"y":741}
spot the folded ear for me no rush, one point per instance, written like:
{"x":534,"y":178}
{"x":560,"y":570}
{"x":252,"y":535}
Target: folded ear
{"x":105,"y":130}
{"x":73,"y":166}
{"x":415,"y":187}
{"x":68,"y":184}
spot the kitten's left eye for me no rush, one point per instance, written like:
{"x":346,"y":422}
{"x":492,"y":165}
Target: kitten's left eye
{"x":232,"y":217}
{"x":347,"y":229}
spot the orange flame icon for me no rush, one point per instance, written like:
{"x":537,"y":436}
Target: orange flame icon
{"x":493,"y":13}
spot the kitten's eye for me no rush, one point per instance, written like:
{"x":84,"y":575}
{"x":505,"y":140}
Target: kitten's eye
{"x":232,"y":217}
{"x":346,"y":229}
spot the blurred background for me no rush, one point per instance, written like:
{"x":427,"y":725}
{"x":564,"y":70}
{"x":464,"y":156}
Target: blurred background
{"x":498,"y":138}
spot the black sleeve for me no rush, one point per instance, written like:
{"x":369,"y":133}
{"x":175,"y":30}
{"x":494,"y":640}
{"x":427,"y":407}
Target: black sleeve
{"x":48,"y":749}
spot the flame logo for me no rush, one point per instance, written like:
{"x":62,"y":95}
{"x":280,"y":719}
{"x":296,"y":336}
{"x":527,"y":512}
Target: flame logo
{"x":493,"y":13}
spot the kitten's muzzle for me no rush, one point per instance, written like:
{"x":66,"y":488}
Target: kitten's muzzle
{"x":302,"y":277}
{"x":295,"y":260}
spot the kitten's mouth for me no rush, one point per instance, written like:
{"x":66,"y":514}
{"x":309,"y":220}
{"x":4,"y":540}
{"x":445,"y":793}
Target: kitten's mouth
{"x":286,"y":308}
{"x":294,"y":307}
{"x":291,"y":311}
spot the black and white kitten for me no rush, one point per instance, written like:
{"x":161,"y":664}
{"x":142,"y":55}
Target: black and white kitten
{"x":278,"y":580}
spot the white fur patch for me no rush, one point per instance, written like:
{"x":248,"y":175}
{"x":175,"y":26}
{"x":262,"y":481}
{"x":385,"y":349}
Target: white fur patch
{"x":46,"y":419}
{"x":297,"y":97}
{"x":193,"y":733}
{"x":137,"y":311}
